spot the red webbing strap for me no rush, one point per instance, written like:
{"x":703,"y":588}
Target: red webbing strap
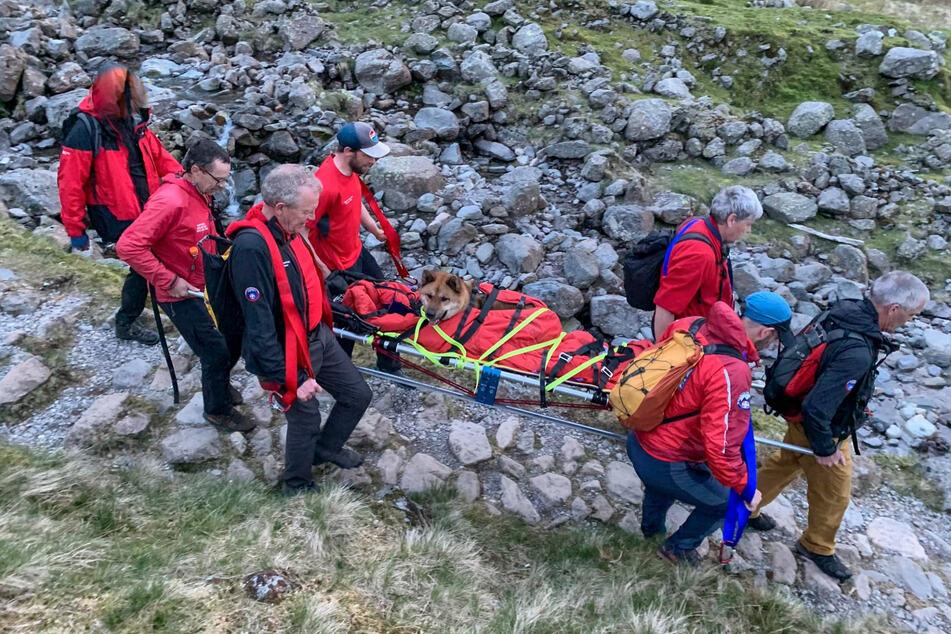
{"x":296,"y":350}
{"x":392,"y":238}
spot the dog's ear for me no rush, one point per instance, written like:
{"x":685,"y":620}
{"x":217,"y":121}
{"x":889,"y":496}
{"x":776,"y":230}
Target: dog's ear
{"x":455,"y":283}
{"x":428,"y":277}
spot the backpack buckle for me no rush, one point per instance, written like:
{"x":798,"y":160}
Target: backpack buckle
{"x":564,"y":357}
{"x":607,"y":372}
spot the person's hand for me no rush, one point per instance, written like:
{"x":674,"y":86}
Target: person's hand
{"x":830,"y":461}
{"x":80,"y":245}
{"x":180,"y":289}
{"x":307,"y":390}
{"x":379,"y":235}
{"x":753,"y":504}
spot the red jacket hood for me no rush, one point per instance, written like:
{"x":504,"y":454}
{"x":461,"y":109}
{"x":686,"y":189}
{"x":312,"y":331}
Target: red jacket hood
{"x":190,"y":190}
{"x":88,"y":105}
{"x":724,"y":326}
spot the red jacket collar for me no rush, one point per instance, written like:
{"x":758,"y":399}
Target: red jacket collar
{"x":189,"y":188}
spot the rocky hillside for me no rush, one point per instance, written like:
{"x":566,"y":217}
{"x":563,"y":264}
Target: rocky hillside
{"x":533,"y":142}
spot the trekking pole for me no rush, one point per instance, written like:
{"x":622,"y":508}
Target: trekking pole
{"x":161,"y":334}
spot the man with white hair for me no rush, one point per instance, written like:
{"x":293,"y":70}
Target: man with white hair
{"x":288,"y":338}
{"x":825,"y":402}
{"x":696,"y":272}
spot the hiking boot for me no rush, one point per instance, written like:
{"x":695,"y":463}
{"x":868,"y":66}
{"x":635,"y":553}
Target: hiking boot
{"x":677,"y":556}
{"x":651,"y":534}
{"x":135,"y":332}
{"x":236,"y":398}
{"x":829,"y":564}
{"x":289,"y":491}
{"x":762,"y":523}
{"x":232,"y":421}
{"x":345,"y":458}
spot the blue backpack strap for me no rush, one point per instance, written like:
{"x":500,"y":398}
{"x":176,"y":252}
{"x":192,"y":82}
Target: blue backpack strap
{"x":670,"y":247}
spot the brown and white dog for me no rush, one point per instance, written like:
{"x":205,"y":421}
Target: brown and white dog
{"x":444,"y":295}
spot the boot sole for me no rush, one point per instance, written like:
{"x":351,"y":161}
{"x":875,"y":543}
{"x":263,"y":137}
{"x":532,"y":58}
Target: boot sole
{"x":807,"y":554}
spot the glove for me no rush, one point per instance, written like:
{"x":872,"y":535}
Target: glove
{"x":79,"y":243}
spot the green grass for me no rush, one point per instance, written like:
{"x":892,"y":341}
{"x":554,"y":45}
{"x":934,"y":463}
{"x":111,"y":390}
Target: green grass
{"x":41,"y":263}
{"x":85,"y":549}
{"x":906,"y":476}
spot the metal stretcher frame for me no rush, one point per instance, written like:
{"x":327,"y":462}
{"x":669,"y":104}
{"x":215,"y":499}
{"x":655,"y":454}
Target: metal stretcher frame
{"x":592,"y":394}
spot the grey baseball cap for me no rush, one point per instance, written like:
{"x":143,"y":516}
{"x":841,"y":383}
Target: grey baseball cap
{"x":361,"y":136}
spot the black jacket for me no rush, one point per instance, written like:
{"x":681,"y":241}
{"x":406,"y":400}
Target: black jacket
{"x":845,"y":378}
{"x":255,"y":288}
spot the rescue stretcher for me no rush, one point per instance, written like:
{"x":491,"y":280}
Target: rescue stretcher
{"x":387,"y":317}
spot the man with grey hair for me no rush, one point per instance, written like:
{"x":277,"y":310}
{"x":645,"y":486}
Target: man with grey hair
{"x":696,"y":271}
{"x":288,"y":340}
{"x":824,"y":402}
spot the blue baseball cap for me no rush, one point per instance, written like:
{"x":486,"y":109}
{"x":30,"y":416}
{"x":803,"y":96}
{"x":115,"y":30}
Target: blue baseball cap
{"x":361,"y":136}
{"x":768,"y":309}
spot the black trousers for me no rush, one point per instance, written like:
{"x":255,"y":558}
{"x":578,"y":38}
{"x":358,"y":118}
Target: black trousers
{"x":366,"y":265}
{"x":135,"y":290}
{"x":216,"y":353}
{"x":335,"y":373}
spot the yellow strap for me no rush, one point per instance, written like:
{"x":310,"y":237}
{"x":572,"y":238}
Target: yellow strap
{"x":587,"y":364}
{"x":511,"y":334}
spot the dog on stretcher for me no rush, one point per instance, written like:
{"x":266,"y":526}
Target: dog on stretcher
{"x":444,"y":295}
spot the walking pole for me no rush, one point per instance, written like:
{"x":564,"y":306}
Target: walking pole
{"x":161,"y":334}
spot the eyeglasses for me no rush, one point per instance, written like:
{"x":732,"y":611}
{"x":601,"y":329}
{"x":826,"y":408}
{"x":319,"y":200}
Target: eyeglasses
{"x":218,"y":181}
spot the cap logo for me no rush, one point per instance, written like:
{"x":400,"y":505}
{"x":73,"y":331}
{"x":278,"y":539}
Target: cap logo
{"x":372,"y":135}
{"x":850,"y":385}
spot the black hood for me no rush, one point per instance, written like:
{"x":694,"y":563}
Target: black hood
{"x":857,"y":315}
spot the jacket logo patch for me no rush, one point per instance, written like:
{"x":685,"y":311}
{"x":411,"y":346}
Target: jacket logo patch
{"x":252,"y":294}
{"x":347,"y":201}
{"x":684,"y":382}
{"x":743,"y":402}
{"x":849,"y":385}
{"x":201,"y":227}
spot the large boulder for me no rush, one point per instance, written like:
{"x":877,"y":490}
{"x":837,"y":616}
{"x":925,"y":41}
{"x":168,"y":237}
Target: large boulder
{"x":97,"y":420}
{"x":564,"y":299}
{"x":22,"y":379}
{"x":809,"y":117}
{"x":12,"y":63}
{"x":520,"y":253}
{"x":909,"y":62}
{"x":834,"y":200}
{"x":35,"y":191}
{"x":441,"y":121}
{"x":403,"y":179}
{"x":871,"y":125}
{"x":477,"y":67}
{"x":193,"y":445}
{"x":916,"y":120}
{"x":522,"y":197}
{"x":108,"y":41}
{"x":423,"y":472}
{"x":298,"y":33}
{"x":59,"y":106}
{"x":649,"y":119}
{"x":627,"y":223}
{"x":612,"y":315}
{"x":788,"y":207}
{"x":530,"y":39}
{"x":845,"y":137}
{"x":379,"y":72}
{"x":869,"y":44}
{"x":455,"y":235}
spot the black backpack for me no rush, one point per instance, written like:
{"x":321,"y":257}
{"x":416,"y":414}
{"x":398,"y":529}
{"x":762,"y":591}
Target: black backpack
{"x":78,"y":117}
{"x":646,"y":261}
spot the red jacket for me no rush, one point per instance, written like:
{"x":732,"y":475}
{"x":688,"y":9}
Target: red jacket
{"x":691,"y":281}
{"x":161,"y":245}
{"x":718,"y":389}
{"x":114,"y":192}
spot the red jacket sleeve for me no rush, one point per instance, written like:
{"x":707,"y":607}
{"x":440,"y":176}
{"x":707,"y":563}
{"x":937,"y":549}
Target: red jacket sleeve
{"x":165,"y":163}
{"x":723,"y":422}
{"x":691,"y":264}
{"x":162,"y":212}
{"x":72,"y":178}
